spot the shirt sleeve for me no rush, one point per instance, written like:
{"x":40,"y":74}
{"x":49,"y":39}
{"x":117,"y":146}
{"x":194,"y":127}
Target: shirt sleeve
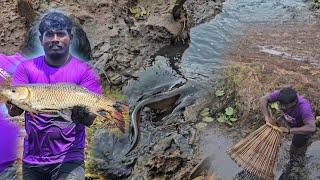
{"x":20,"y":76}
{"x":306,"y":112}
{"x":273,"y":96}
{"x":91,"y":81}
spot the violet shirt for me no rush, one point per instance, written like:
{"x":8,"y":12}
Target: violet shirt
{"x":297,"y":114}
{"x":9,"y":132}
{"x":52,"y":140}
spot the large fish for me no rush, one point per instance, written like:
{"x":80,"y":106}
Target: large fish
{"x":61,"y":98}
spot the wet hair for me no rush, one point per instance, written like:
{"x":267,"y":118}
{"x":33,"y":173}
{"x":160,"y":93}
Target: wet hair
{"x":55,"y":20}
{"x":287,"y":95}
{"x":80,"y":45}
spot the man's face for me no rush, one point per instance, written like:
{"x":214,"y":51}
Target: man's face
{"x":56,"y":43}
{"x":287,"y":106}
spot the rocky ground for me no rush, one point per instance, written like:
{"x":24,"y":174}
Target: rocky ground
{"x":124,"y":36}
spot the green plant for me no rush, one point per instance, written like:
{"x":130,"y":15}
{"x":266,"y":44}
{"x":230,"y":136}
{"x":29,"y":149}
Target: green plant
{"x":206,"y":116}
{"x":201,"y":125}
{"x":219,"y":93}
{"x":274,"y":106}
{"x":138,"y":12}
{"x":227,"y":117}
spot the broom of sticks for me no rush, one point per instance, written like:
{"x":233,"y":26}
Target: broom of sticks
{"x":257,"y":153}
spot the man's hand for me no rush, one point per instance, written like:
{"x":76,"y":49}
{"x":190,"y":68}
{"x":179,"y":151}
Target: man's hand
{"x":270,"y":120}
{"x":82,"y":115}
{"x":264,"y":109}
{"x":284,"y":130}
{"x":13,"y":110}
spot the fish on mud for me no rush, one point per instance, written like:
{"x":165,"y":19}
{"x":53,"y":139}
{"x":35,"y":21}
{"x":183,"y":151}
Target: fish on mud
{"x":60,"y":98}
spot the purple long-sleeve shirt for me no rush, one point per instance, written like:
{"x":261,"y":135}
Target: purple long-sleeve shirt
{"x":53,"y":140}
{"x":9,"y":131}
{"x":297,"y":114}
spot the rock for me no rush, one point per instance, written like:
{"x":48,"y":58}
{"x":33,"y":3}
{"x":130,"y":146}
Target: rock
{"x":134,"y":32}
{"x":129,"y":21}
{"x":115,"y":79}
{"x":105,"y":48}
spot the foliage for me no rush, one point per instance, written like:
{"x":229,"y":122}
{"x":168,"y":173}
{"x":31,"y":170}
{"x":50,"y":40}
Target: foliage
{"x":274,"y":106}
{"x":228,"y":117}
{"x":219,"y":93}
{"x":201,"y":125}
{"x":114,"y":94}
{"x":138,"y":12}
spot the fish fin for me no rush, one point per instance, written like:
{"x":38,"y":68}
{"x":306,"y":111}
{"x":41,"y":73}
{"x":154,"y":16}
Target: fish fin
{"x":98,"y":113}
{"x":32,"y":116}
{"x":65,"y":114}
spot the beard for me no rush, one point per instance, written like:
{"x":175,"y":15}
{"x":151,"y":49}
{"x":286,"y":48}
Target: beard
{"x":56,"y":56}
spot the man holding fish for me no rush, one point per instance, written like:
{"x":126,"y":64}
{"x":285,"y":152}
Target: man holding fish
{"x":54,"y":147}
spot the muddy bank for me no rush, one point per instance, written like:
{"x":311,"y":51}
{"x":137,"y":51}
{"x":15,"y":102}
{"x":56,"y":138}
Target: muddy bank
{"x":123,"y":34}
{"x":174,"y":137}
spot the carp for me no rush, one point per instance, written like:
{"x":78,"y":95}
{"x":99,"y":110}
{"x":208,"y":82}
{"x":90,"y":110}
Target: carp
{"x":60,"y":98}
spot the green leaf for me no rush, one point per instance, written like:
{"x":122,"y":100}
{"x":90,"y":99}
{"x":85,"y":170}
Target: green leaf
{"x":207,"y":119}
{"x":201,"y":125}
{"x":143,"y":11}
{"x":233,"y":119}
{"x":229,"y":123}
{"x":136,"y":16}
{"x":274,"y":105}
{"x":222,"y":118}
{"x":219,"y":93}
{"x":229,"y":111}
{"x":133,"y":10}
{"x":205,"y":112}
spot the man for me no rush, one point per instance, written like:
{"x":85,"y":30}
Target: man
{"x":9,"y":132}
{"x":298,"y":114}
{"x":53,"y":147}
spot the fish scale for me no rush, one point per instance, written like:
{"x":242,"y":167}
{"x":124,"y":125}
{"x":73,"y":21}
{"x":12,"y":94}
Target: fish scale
{"x":47,"y":96}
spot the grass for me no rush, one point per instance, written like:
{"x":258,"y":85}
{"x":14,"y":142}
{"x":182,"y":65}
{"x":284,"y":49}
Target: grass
{"x":250,"y":81}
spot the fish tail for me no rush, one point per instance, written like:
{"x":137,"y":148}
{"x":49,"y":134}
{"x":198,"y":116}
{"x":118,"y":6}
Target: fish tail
{"x":116,"y":112}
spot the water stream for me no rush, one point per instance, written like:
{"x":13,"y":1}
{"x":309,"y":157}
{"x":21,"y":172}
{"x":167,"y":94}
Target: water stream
{"x":200,"y":64}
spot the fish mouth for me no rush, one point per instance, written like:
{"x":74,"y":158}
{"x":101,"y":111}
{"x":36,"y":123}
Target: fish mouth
{"x":3,"y":92}
{"x":3,"y":96}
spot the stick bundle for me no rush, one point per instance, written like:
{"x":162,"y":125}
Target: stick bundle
{"x":257,"y":153}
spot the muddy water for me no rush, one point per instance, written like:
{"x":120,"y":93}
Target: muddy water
{"x":193,"y":74}
{"x":210,"y":41}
